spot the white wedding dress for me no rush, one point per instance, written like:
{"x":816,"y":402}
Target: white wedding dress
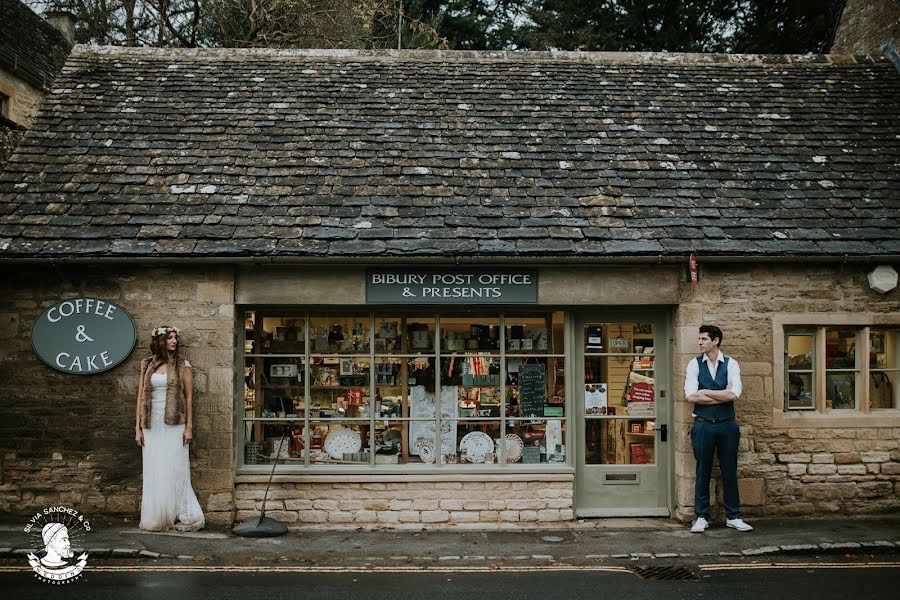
{"x":168,"y":500}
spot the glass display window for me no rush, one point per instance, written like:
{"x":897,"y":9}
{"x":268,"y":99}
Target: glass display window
{"x":418,"y":389}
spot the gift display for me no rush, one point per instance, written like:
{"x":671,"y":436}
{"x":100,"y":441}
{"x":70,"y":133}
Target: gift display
{"x":361,"y":388}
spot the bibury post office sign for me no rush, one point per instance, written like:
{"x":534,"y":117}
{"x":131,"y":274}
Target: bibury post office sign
{"x":83,"y":336}
{"x":452,"y":286}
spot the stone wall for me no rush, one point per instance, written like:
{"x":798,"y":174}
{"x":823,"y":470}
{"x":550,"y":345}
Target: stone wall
{"x":474,"y":501}
{"x":24,"y":99}
{"x":784,"y":471}
{"x":69,"y":439}
{"x":866,"y":25}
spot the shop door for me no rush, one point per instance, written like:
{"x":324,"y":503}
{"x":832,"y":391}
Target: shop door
{"x":623,"y":405}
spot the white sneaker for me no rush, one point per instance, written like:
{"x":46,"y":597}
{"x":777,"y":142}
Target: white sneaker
{"x":737,"y":524}
{"x":700,"y":525}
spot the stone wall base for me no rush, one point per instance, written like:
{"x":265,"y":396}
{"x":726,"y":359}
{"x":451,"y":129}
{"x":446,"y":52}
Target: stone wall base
{"x":423,"y":504}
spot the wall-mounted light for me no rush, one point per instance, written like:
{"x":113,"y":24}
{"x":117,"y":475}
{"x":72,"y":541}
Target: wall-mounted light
{"x":883,"y":279}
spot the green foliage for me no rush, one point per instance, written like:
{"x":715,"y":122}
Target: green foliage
{"x":787,"y":26}
{"x":740,"y":26}
{"x":754,"y":26}
{"x":471,"y":24}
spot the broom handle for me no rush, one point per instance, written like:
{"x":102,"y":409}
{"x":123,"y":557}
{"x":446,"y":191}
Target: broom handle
{"x":262,"y":515}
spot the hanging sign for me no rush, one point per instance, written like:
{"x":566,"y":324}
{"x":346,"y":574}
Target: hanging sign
{"x":83,"y":336}
{"x":456,"y":286}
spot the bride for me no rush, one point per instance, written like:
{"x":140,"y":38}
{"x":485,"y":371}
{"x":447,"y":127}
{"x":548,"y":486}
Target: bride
{"x":163,"y":428}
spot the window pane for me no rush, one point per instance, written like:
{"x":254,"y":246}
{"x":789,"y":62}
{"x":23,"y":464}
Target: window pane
{"x":537,"y":334}
{"x":389,"y":335}
{"x":840,"y":390}
{"x":470,"y":370}
{"x":340,"y":334}
{"x":620,"y":441}
{"x":279,"y":333}
{"x":404,"y":442}
{"x":478,"y":402}
{"x":840,"y":349}
{"x":423,"y":408}
{"x":800,"y":351}
{"x":800,"y":391}
{"x":262,"y":439}
{"x":419,"y":335}
{"x":536,"y":441}
{"x":471,"y":333}
{"x":339,"y":443}
{"x":477,"y":442}
{"x":884,"y":389}
{"x":885,"y":349}
{"x":545,"y":387}
{"x":336,"y":383}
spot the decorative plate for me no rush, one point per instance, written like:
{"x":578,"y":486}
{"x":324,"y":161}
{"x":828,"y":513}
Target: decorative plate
{"x":426,"y":450}
{"x":476,"y":444}
{"x":514,"y":446}
{"x":342,"y":441}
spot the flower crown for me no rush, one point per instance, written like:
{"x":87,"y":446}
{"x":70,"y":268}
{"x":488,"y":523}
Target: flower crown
{"x":164,"y":331}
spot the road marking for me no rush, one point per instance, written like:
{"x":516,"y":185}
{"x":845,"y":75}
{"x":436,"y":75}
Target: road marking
{"x":324,"y":569}
{"x":425,"y":569}
{"x":818,"y":565}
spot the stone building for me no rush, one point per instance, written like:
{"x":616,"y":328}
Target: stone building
{"x":32,"y":51}
{"x":346,"y":237}
{"x":866,"y":25}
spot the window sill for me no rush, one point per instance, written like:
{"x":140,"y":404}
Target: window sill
{"x":834,"y":419}
{"x":331,"y":476}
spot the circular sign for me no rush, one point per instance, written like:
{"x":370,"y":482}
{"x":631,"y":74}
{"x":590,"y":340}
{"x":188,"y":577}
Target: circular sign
{"x":83,"y":336}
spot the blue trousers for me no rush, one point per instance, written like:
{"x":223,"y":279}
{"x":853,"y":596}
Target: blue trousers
{"x":721,"y":438}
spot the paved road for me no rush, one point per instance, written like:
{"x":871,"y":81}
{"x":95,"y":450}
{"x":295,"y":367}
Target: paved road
{"x":739,"y":581}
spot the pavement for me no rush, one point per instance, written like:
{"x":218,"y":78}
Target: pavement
{"x":583,"y":542}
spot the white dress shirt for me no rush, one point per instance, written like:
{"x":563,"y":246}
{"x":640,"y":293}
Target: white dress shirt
{"x":692,"y":375}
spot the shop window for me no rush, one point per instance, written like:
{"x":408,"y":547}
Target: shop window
{"x":369,"y":389}
{"x":832,"y":359}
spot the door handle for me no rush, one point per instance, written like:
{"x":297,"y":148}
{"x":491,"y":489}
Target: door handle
{"x":664,"y":433}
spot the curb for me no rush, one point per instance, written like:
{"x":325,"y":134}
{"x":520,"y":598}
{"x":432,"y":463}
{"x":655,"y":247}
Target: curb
{"x":825,"y":548}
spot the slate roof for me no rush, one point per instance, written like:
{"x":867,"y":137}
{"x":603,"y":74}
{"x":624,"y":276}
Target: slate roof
{"x":211,"y":153}
{"x":30,"y":48}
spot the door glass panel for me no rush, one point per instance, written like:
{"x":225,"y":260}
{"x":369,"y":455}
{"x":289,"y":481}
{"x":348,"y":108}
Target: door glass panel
{"x":619,"y":393}
{"x":620,"y":441}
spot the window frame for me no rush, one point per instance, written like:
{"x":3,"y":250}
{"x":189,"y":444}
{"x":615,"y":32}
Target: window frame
{"x":371,"y":315}
{"x":862,"y":416}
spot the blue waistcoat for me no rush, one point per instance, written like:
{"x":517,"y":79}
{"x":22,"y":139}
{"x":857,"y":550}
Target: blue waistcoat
{"x":706,"y":382}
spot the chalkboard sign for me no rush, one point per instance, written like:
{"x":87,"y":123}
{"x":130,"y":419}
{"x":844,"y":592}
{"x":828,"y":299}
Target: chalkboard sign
{"x":532,"y":390}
